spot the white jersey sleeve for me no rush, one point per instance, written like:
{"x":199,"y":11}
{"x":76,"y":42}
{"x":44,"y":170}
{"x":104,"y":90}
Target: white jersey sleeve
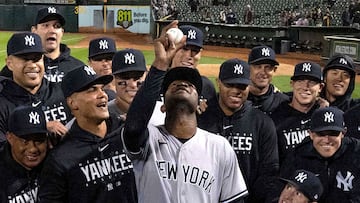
{"x":203,"y":169}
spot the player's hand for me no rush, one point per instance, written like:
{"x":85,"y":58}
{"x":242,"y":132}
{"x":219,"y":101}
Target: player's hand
{"x":56,"y":127}
{"x":322,"y":102}
{"x":202,"y":106}
{"x":165,"y":49}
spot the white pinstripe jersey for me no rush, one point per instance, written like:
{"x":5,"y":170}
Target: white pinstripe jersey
{"x":203,"y":169}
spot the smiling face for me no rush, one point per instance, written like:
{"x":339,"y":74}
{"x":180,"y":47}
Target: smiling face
{"x":305,"y":92}
{"x":28,"y":153}
{"x":90,"y":104}
{"x":261,"y":75}
{"x":232,"y":96}
{"x":326,"y":143}
{"x":127,"y":84}
{"x":27,"y":69}
{"x":337,"y":82}
{"x":51,"y":33}
{"x":292,"y":195}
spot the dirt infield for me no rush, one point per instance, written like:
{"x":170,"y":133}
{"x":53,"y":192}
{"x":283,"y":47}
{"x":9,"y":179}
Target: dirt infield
{"x":144,"y":42}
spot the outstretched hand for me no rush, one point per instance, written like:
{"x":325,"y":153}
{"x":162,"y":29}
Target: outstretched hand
{"x":165,"y":49}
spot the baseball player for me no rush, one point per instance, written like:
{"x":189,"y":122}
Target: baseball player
{"x":49,"y":25}
{"x":292,"y":119}
{"x":339,"y":78}
{"x":101,"y":52}
{"x":330,"y":155}
{"x":264,"y":95}
{"x":251,"y":133}
{"x":89,"y":165}
{"x":302,"y":187}
{"x":177,"y":162}
{"x":22,"y":155}
{"x":28,"y":85}
{"x":129,"y":70}
{"x":188,"y":56}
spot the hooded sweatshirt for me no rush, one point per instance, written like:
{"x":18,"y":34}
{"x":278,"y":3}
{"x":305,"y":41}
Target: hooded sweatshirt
{"x":49,"y":96}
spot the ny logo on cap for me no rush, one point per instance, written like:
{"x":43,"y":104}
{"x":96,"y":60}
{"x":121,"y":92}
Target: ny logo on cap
{"x":265,"y":51}
{"x":129,"y":58}
{"x":301,"y":177}
{"x":306,"y":67}
{"x":51,"y":10}
{"x":343,"y":61}
{"x":29,"y":40}
{"x":34,"y":118}
{"x":89,"y":70}
{"x":103,"y":44}
{"x":238,"y":69}
{"x":329,"y":117}
{"x":191,"y":34}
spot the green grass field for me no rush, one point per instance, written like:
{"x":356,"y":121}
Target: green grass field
{"x":282,"y":82}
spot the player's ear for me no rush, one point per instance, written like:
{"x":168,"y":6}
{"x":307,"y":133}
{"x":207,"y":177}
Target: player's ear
{"x":10,"y":138}
{"x":71,"y":102}
{"x":163,"y":108}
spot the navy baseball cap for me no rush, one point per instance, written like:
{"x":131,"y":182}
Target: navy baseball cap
{"x":128,"y":60}
{"x":82,"y":78}
{"x":26,"y":121}
{"x":24,"y":43}
{"x":47,"y":14}
{"x":183,"y":73}
{"x":194,"y":36}
{"x":306,"y":182}
{"x":327,"y":118}
{"x":235,"y":71}
{"x":262,"y":55}
{"x":103,"y":45}
{"x":308,"y":69}
{"x":340,"y":61}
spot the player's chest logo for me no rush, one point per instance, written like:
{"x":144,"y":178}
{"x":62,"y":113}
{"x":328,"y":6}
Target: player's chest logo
{"x":241,"y":142}
{"x":27,"y":196}
{"x":345,"y":183}
{"x":293,"y":138}
{"x":187,"y":174}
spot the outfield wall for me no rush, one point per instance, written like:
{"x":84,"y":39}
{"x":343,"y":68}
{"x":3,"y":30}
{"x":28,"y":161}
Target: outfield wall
{"x":22,"y":17}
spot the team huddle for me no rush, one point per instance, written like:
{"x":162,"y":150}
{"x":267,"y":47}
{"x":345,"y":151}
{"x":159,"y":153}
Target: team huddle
{"x":113,"y":130}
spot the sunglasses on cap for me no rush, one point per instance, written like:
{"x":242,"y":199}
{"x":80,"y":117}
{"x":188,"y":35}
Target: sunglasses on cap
{"x":331,"y":133}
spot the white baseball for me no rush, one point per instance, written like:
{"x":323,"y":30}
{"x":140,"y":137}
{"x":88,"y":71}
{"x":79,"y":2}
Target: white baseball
{"x":175,"y":35}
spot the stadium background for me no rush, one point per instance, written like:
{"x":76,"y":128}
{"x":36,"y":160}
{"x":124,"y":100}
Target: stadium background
{"x":293,"y":44}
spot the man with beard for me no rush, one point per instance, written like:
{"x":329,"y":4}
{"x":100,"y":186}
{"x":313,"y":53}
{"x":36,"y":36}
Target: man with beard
{"x":28,"y":85}
{"x":264,"y":95}
{"x":250,"y":132}
{"x":189,"y":56}
{"x":177,"y":161}
{"x":292,"y":119}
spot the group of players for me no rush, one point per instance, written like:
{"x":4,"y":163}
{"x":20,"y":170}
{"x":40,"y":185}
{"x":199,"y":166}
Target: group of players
{"x":115,"y":131}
